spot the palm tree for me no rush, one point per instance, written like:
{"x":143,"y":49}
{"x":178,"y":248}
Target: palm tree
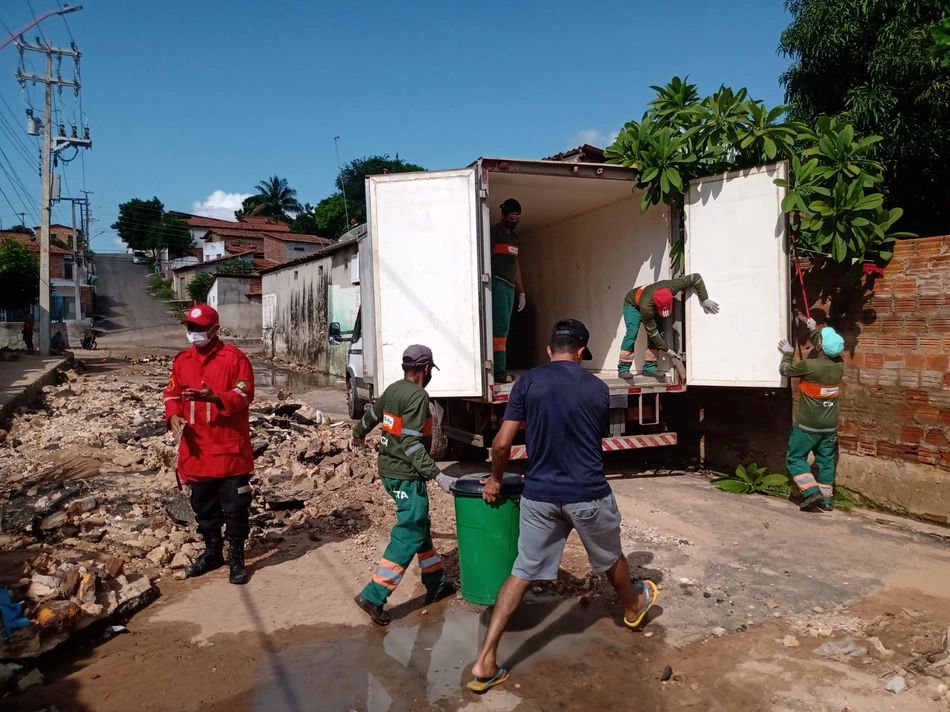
{"x":274,"y":199}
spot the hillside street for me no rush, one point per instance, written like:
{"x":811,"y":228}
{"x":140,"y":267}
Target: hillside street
{"x":750,"y":587}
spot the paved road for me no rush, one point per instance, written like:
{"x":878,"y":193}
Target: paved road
{"x":128,"y":314}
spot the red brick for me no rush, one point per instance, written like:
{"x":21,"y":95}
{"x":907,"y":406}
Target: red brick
{"x":905,"y":304}
{"x":930,"y":344}
{"x":928,"y":415}
{"x":870,"y":448}
{"x":848,"y":443}
{"x":931,"y":302}
{"x":898,"y":452}
{"x":926,"y":246}
{"x":875,"y":361}
{"x":916,"y":265}
{"x":885,"y":342}
{"x":915,"y":397}
{"x":906,"y":248}
{"x":915,"y":361}
{"x":907,"y":342}
{"x":905,"y":411}
{"x":940,"y":263}
{"x":848,"y":427}
{"x":892,"y":324}
{"x":945,"y":417}
{"x":932,"y":285}
{"x":938,"y":363}
{"x":928,"y":456}
{"x":911,"y":435}
{"x":905,"y":287}
{"x":894,"y":358}
{"x":940,"y":324}
{"x":936,"y":436}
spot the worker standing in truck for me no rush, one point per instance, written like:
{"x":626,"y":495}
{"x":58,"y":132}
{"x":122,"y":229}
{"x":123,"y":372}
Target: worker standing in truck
{"x":506,"y":283}
{"x":404,"y":468}
{"x":816,"y":429}
{"x":651,"y":306}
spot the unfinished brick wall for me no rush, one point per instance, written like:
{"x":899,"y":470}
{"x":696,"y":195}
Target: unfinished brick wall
{"x":274,"y":250}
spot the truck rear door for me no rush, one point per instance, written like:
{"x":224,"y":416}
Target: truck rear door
{"x":424,"y":229}
{"x":736,"y":239}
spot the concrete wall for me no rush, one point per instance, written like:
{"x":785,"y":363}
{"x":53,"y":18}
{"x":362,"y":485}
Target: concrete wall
{"x":307,"y":298}
{"x":11,"y":333}
{"x":240,"y":315}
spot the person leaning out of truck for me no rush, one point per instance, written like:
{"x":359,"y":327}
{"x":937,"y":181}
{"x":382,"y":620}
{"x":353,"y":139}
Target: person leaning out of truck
{"x":652,"y":305}
{"x":506,"y":282}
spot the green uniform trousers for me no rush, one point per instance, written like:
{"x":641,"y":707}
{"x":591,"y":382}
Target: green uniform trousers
{"x":824,"y":445}
{"x":502,"y":304}
{"x":631,"y":317}
{"x":411,"y":536}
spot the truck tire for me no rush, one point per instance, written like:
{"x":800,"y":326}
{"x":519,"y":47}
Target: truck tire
{"x":354,"y":406}
{"x":440,"y":441}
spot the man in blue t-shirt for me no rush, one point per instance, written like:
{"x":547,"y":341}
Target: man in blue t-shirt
{"x":564,"y":410}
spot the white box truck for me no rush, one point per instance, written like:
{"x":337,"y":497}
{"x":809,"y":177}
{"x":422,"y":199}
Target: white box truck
{"x":425,"y":278}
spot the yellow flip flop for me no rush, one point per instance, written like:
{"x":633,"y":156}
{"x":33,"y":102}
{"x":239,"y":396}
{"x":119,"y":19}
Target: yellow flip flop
{"x":477,"y":685}
{"x":652,"y":594}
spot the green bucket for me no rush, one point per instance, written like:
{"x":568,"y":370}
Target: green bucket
{"x":487,"y":535}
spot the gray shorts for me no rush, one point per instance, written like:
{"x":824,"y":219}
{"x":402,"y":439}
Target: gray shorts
{"x":545,"y":528}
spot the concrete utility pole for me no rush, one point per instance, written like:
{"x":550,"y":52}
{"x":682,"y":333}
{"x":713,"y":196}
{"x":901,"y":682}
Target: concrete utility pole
{"x":49,"y":148}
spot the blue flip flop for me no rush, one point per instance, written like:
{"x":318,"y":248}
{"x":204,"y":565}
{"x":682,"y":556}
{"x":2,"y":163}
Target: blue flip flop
{"x":652,"y":594}
{"x":477,"y":685}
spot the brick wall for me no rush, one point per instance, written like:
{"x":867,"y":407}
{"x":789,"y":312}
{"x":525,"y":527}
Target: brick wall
{"x":56,"y":266}
{"x":274,"y":250}
{"x":895,"y":407}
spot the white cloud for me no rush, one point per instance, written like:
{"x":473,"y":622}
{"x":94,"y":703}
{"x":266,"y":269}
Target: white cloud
{"x":219,"y":205}
{"x":594,"y":137}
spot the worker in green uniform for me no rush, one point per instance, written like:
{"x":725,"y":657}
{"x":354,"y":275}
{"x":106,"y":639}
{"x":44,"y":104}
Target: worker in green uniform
{"x":651,"y":306}
{"x":816,"y":429}
{"x":505,"y":283}
{"x":404,"y":468}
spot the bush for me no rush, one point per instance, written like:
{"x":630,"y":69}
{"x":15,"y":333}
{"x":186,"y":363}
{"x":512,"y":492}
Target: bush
{"x":199,"y":286}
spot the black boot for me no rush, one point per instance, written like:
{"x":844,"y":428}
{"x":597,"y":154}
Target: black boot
{"x":236,"y":561}
{"x":212,"y":557}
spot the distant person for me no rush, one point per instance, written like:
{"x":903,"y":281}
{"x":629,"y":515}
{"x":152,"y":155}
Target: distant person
{"x":404,"y":468}
{"x":506,"y":282}
{"x":652,"y":305}
{"x":816,"y":430}
{"x":57,"y":344}
{"x":563,"y":408}
{"x":28,"y":325}
{"x":206,"y":408}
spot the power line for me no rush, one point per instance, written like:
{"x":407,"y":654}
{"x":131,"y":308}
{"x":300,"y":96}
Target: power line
{"x":32,"y":12}
{"x":65,"y":22}
{"x":15,"y":211}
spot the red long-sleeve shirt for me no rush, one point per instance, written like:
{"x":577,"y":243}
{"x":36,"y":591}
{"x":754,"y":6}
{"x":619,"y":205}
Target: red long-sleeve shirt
{"x":216,"y":441}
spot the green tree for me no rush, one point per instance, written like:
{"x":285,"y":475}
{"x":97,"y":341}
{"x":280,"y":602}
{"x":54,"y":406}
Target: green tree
{"x":305,"y":223}
{"x":274,"y":199}
{"x":171,"y":233}
{"x":198,"y":287}
{"x":236,"y":267}
{"x":19,"y":275}
{"x":872,"y":63}
{"x":330,"y":217}
{"x":136,"y":219}
{"x":24,"y":229}
{"x":352,"y":181}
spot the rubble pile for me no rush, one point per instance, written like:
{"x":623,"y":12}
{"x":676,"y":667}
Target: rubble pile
{"x":88,"y":495}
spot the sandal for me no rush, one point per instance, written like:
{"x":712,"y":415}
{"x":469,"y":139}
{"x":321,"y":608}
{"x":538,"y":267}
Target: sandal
{"x":652,"y":594}
{"x":478,"y":685}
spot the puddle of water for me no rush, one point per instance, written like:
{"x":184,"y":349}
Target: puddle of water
{"x":268,"y":375}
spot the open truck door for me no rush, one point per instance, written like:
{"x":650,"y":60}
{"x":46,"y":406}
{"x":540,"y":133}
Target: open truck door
{"x":736,"y":239}
{"x":426,"y":277}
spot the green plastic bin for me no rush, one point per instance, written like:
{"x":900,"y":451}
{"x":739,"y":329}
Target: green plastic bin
{"x":487,"y":534}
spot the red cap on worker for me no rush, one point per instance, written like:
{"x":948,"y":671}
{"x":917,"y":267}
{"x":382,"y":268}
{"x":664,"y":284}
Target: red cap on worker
{"x":201,"y":315}
{"x":663,"y":301}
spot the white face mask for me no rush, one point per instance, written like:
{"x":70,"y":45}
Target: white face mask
{"x":198,"y":338}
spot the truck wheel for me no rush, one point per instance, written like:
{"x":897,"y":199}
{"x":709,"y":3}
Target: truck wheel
{"x":440,"y":441}
{"x":355,"y":406}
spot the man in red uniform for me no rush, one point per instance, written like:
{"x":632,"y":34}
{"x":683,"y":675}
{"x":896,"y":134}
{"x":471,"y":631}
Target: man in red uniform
{"x":206,"y":406}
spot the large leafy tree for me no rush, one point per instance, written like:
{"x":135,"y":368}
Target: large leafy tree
{"x":274,"y":199}
{"x":332,"y":217}
{"x":171,"y":233}
{"x":136,"y":219}
{"x":876,"y":64}
{"x":19,"y":275}
{"x":305,"y":223}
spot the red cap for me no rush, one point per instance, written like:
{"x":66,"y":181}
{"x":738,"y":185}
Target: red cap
{"x":663,"y":301}
{"x":202,"y":315}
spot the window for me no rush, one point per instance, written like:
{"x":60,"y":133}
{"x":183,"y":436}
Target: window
{"x":298,"y":249}
{"x":358,"y":327}
{"x":67,"y":270}
{"x":355,"y":268}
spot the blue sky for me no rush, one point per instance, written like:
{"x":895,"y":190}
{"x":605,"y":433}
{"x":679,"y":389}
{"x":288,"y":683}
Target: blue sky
{"x":195,"y":101}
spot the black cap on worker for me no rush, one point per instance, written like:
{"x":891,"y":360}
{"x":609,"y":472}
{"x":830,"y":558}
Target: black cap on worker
{"x":418,"y":356}
{"x":574,"y":330}
{"x":510,"y":206}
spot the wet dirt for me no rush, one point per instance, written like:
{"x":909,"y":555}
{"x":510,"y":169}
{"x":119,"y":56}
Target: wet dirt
{"x":269,"y":375}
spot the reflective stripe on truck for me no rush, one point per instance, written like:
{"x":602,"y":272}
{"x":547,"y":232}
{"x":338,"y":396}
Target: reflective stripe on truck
{"x":632,"y":442}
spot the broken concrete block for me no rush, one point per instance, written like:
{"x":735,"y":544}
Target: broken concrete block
{"x":158,"y":555}
{"x":842,"y":650}
{"x":56,"y":614}
{"x":180,"y":561}
{"x":54,"y":521}
{"x":896,"y":684}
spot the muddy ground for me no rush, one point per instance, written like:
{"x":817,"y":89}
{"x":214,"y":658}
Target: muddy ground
{"x":750,"y":588}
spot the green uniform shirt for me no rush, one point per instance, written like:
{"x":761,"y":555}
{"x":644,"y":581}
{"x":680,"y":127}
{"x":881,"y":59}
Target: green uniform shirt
{"x":504,"y":255}
{"x":820,"y":390}
{"x":404,"y":445}
{"x":648,"y":310}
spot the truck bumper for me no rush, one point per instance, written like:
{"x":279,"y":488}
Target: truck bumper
{"x":631,"y":442}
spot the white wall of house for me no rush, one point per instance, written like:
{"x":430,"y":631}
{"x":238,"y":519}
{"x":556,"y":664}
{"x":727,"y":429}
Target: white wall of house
{"x":213,"y":250}
{"x":240,"y":315}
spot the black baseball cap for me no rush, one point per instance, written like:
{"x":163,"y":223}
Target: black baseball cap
{"x":574,"y":329}
{"x":417,"y":356}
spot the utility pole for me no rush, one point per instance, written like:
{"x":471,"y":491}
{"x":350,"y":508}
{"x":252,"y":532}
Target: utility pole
{"x":62,"y":142}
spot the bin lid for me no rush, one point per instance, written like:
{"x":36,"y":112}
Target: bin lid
{"x":512,"y":485}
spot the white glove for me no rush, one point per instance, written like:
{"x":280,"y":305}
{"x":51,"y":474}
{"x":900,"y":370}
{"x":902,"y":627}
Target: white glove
{"x":709,"y":306}
{"x":444,"y":482}
{"x":522,"y":301}
{"x":811,"y":324}
{"x":785,"y":347}
{"x":672,"y":354}
{"x":354,"y":445}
